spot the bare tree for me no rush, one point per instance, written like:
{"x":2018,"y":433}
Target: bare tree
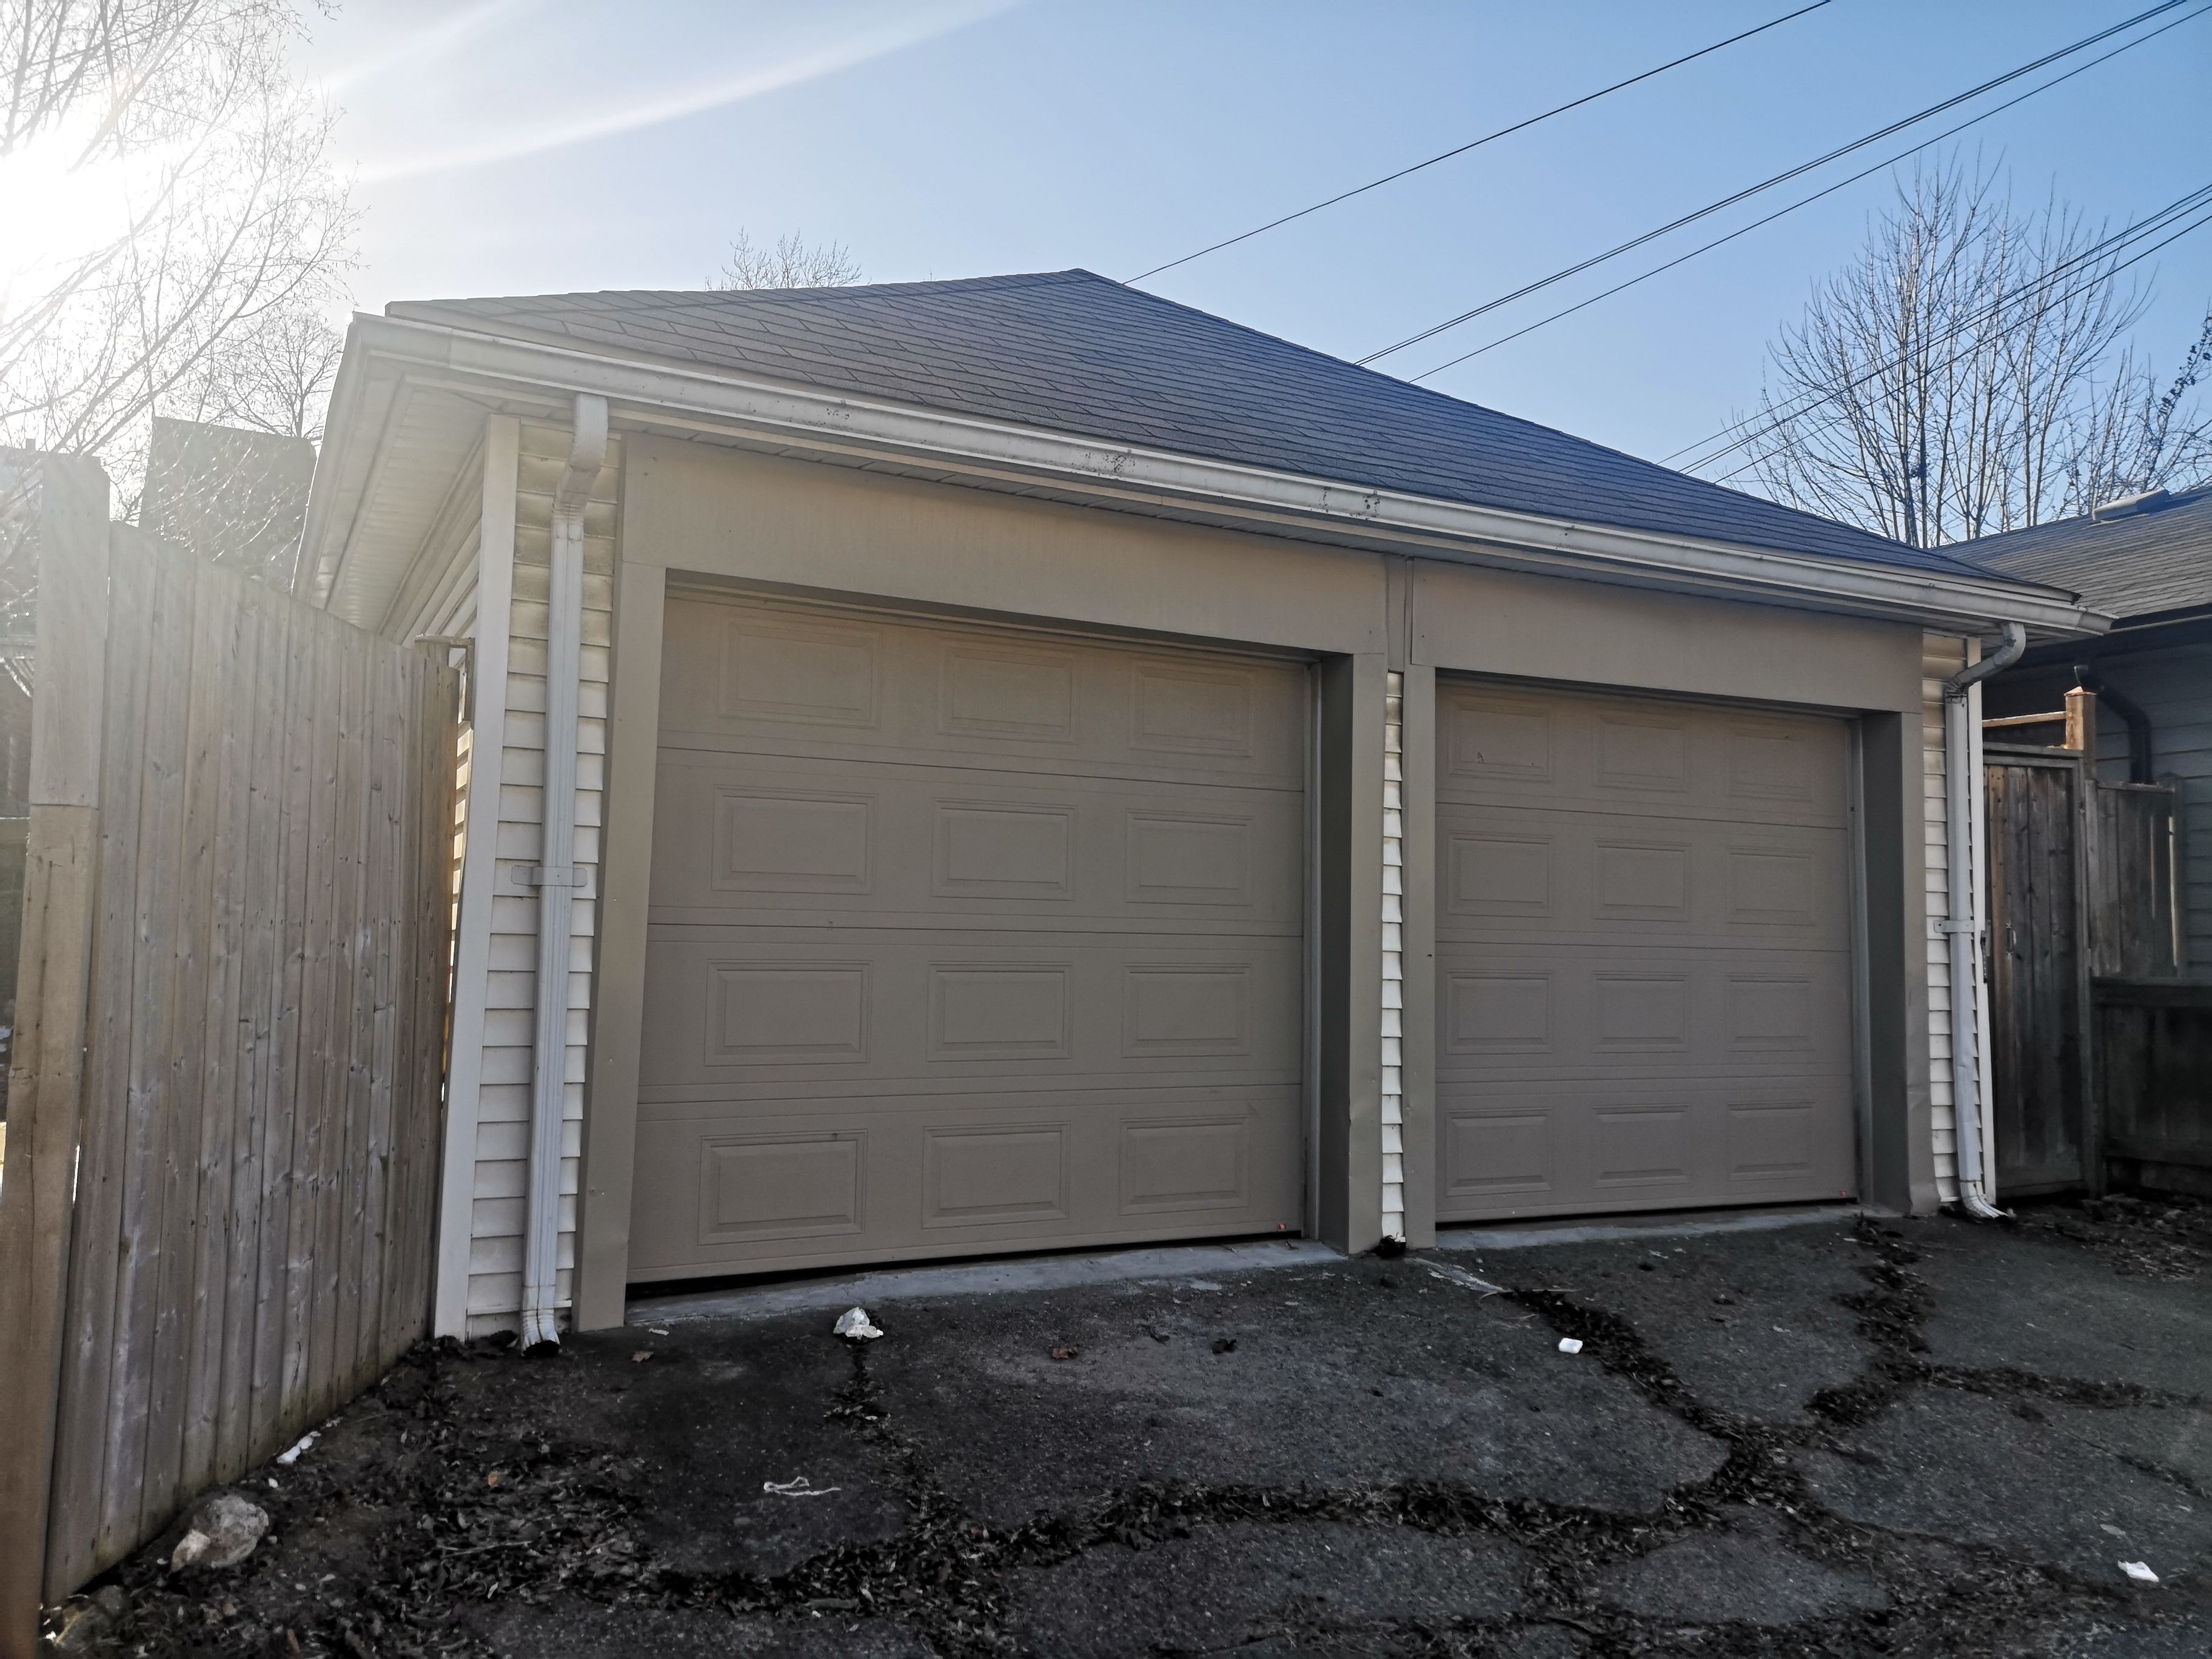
{"x":1969,"y":373}
{"x":792,"y":262}
{"x":230,"y":234}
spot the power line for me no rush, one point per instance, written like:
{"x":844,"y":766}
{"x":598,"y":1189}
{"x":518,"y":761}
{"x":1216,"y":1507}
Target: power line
{"x":1502,"y":132}
{"x":1804,"y":200}
{"x":1742,"y":432}
{"x":1779,"y":178}
{"x":2150,"y":226}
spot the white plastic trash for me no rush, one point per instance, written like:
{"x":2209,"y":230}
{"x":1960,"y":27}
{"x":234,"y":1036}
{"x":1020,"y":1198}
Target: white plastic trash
{"x":853,"y":1324}
{"x":2138,"y":1571}
{"x":292,"y":1456}
{"x":1571,"y":1344}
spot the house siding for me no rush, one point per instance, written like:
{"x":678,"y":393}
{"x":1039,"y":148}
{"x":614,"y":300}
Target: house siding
{"x":496,"y":1167}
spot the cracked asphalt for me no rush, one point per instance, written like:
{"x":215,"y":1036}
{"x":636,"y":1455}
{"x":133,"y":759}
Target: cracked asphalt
{"x":1844,"y":1436}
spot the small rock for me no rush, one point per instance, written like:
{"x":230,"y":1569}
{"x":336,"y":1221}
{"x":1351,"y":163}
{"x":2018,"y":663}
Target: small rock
{"x":640,"y":1356}
{"x":1068,"y":1352}
{"x":222,"y":1532}
{"x":1224,"y":1344}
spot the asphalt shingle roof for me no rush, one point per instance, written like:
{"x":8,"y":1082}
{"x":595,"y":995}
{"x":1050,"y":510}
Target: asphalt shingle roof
{"x":1073,"y":352}
{"x":2137,"y":564}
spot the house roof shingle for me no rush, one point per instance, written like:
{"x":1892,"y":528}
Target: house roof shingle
{"x":1076,"y":353}
{"x":2134,"y":564}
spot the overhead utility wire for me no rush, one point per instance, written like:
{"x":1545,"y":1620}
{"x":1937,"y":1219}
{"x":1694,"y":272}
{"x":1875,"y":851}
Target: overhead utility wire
{"x":1739,"y":433}
{"x":1779,"y":178}
{"x":2184,"y":231}
{"x":2150,"y":225}
{"x":1487,"y":137}
{"x":1802,"y":201}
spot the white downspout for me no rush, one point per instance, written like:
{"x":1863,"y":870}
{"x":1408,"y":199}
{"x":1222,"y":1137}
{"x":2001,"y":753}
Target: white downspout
{"x":557,"y":878}
{"x":1963,"y":924}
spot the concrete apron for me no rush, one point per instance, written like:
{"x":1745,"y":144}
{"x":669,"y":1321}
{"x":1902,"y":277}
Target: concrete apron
{"x":1190,"y":1264}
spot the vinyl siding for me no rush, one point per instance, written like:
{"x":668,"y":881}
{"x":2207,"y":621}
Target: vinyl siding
{"x":499,"y":1190}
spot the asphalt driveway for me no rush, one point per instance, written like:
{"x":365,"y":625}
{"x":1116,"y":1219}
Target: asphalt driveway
{"x":1830,"y":1436}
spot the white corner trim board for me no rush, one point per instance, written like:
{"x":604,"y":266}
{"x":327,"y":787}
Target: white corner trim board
{"x":1394,"y":955}
{"x":555,"y":877}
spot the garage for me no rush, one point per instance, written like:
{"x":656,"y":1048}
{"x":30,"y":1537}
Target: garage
{"x":965,"y":939}
{"x":1644,"y":954}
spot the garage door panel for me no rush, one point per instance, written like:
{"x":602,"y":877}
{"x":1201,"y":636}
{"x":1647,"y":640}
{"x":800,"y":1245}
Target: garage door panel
{"x":772,"y":679}
{"x":1623,"y":754}
{"x":787,"y":1181}
{"x":1523,"y":872}
{"x":1643,"y":954}
{"x":962,"y":939}
{"x":739,"y":837}
{"x":1521,"y":1008}
{"x":1563,"y":1145}
{"x":874,"y":1007}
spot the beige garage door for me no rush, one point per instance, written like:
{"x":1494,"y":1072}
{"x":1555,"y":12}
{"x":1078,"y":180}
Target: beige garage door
{"x":965,"y":940}
{"x":1643,"y":955}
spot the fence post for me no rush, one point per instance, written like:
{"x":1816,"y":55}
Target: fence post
{"x":46,"y":1086}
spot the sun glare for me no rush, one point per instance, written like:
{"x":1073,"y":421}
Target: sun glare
{"x":59,"y":210}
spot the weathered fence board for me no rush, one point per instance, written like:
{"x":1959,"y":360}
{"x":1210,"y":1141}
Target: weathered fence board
{"x":2131,"y":883}
{"x":248,"y":918}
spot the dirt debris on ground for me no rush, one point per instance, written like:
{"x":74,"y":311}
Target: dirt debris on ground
{"x":1923,"y":1437}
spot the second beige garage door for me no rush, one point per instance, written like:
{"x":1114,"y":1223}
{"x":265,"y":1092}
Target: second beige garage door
{"x":1644,"y":960}
{"x":964,"y":940}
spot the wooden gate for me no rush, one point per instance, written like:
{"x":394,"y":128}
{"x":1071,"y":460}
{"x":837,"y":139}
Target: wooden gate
{"x":217,"y":1224}
{"x":2038,"y":970}
{"x":2082,"y":903}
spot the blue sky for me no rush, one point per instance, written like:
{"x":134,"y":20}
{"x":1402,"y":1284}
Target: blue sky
{"x":522,"y":146}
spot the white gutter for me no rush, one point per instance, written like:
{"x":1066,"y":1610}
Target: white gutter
{"x":557,"y":878}
{"x":1963,"y":924}
{"x":809,"y":421}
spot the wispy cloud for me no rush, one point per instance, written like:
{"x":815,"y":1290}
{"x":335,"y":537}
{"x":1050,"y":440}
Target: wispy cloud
{"x":910,"y":28}
{"x":437,"y":41}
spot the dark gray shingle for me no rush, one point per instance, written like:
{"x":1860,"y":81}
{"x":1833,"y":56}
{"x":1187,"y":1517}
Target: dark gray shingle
{"x":1073,"y":352}
{"x":2136,"y":565}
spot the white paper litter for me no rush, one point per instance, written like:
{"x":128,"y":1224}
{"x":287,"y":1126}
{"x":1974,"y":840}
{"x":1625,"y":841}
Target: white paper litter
{"x":853,"y":1324}
{"x":799,"y":1486}
{"x":2138,"y":1571}
{"x":292,"y":1456}
{"x":1569,"y":1345}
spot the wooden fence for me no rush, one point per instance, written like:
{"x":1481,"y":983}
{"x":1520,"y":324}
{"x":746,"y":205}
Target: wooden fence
{"x":217,"y":1222}
{"x":2155,"y":1077}
{"x":2082,"y":903}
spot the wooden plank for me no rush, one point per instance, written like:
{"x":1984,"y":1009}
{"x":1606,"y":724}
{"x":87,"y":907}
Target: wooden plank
{"x":53,"y":980}
{"x":80,"y":1462}
{"x":337,"y":1291}
{"x":258,"y":906}
{"x":283,"y":1070}
{"x":196,"y":1198}
{"x":386,"y":849}
{"x":142,"y":1430}
{"x":227,"y":787}
{"x":140,"y":1409}
{"x":311,"y":1111}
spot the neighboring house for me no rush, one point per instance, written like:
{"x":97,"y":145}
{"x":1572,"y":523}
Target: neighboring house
{"x":2147,"y":563}
{"x":1054,"y":767}
{"x":2101,"y":892}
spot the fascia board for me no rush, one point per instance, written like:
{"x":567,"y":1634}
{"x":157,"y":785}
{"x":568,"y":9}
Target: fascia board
{"x":803,"y":417}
